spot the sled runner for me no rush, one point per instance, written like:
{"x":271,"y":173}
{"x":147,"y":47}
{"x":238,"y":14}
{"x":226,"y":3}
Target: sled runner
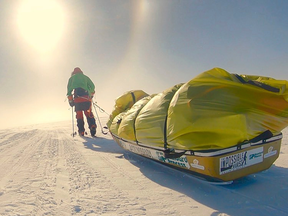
{"x":218,"y":165}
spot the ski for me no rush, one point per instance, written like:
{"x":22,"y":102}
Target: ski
{"x":86,"y":136}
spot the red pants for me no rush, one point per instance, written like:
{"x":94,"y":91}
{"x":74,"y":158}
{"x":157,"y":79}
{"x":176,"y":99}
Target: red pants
{"x":90,"y":119}
{"x":88,"y":113}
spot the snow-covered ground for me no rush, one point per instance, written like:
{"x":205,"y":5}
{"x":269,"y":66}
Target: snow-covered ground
{"x":45,"y":171}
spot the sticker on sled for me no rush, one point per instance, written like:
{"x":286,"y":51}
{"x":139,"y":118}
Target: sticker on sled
{"x":241,"y":160}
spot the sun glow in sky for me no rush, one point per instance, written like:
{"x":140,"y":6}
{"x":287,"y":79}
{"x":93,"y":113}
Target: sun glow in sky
{"x":129,"y":44}
{"x":41,"y":23}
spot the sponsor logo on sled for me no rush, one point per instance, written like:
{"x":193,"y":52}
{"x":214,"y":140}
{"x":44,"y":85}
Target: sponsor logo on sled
{"x":270,"y":152}
{"x":196,"y":165}
{"x":139,"y":150}
{"x":182,"y":161}
{"x":240,"y":160}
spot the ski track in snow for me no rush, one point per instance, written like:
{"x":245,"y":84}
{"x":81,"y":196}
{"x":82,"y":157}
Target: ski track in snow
{"x":46,"y":171}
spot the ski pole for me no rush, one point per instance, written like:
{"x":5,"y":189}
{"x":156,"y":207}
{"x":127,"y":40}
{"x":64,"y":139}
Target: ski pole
{"x":73,"y":134}
{"x":94,"y":105}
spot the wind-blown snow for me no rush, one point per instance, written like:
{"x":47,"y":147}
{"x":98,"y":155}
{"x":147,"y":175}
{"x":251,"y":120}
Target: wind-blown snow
{"x":45,"y":171}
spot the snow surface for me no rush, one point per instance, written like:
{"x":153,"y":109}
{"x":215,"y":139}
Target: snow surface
{"x":45,"y":171}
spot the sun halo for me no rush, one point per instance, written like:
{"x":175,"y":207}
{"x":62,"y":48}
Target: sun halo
{"x":41,"y":23}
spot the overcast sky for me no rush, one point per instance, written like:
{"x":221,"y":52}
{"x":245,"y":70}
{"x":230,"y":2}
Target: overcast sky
{"x":124,"y":45}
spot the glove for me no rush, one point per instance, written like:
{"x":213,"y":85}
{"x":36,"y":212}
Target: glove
{"x":92,"y":95}
{"x":71,"y":103}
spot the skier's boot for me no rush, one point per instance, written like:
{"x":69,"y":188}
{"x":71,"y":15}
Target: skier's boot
{"x":81,"y":133}
{"x":92,"y":124}
{"x":93,"y":130}
{"x":80,"y":125}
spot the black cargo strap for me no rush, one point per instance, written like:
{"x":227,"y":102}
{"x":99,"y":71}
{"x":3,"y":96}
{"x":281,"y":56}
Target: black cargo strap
{"x":165,"y":133}
{"x":258,"y":84}
{"x":133,"y":97}
{"x":168,"y":153}
{"x":265,"y":135}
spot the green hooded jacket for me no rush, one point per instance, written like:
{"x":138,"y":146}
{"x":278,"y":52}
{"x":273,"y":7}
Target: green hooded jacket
{"x":79,"y":80}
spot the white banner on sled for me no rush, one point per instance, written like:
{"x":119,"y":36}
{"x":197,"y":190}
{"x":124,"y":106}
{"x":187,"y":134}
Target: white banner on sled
{"x":240,"y":160}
